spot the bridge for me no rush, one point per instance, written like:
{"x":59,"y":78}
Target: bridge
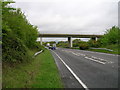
{"x":70,"y":36}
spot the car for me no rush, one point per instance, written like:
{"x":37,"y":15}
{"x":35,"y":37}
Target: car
{"x":50,"y":47}
{"x":53,"y":48}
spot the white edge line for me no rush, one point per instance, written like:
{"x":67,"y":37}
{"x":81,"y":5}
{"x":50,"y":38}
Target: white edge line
{"x":95,"y":60}
{"x":78,"y":79}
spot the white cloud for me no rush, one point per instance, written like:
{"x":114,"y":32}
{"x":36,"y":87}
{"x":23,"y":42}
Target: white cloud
{"x":71,"y":16}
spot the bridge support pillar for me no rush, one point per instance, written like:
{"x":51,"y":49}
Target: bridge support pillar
{"x":94,"y":38}
{"x":40,"y":40}
{"x":70,"y":41}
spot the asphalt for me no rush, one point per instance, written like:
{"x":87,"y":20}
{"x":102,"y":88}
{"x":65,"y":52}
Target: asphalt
{"x":95,"y":70}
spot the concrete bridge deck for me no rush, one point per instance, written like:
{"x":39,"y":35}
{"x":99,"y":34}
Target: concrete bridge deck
{"x":70,"y":35}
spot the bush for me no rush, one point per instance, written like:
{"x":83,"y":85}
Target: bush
{"x":18,"y":35}
{"x":93,"y":43}
{"x":13,"y":49}
{"x":76,"y":44}
{"x":111,"y":36}
{"x":84,"y":46}
{"x":38,"y":47}
{"x":62,"y":44}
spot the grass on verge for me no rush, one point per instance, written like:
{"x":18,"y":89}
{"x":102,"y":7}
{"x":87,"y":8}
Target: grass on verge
{"x":104,"y":51}
{"x":41,"y":72}
{"x":114,"y":47}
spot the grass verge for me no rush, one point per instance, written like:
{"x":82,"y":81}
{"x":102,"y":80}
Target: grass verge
{"x":115,"y":49}
{"x":103,"y":51}
{"x":41,"y":72}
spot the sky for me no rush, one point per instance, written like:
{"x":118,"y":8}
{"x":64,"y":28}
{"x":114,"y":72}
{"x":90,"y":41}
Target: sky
{"x":70,"y":16}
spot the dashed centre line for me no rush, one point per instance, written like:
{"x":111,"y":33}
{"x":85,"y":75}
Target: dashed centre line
{"x":92,"y":58}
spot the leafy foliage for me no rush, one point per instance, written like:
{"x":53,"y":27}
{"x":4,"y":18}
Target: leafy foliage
{"x":84,"y":45}
{"x":76,"y":42}
{"x":93,"y":43}
{"x":62,"y":44}
{"x":18,"y":34}
{"x":111,"y":36}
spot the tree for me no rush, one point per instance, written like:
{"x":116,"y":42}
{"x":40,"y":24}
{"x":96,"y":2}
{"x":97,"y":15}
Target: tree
{"x":76,"y":42}
{"x":18,"y":34}
{"x":111,"y":36}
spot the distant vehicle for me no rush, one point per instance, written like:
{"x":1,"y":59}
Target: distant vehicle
{"x":48,"y":44}
{"x":50,"y":47}
{"x":53,"y":47}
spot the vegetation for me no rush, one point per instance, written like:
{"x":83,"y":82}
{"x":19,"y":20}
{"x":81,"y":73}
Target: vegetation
{"x":41,"y":72}
{"x":110,"y":40}
{"x":84,"y":46}
{"x":18,"y":35}
{"x":20,"y":69}
{"x":62,"y":44}
{"x":104,"y":51}
{"x":76,"y":42}
{"x":93,"y":43}
{"x":48,"y":76}
{"x":111,"y":36}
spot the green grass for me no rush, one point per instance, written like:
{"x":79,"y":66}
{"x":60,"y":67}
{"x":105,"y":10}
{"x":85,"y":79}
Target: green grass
{"x":48,"y":76}
{"x":41,"y":72}
{"x":113,"y":47}
{"x":103,"y":51}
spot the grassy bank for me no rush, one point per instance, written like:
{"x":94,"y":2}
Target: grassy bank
{"x":41,"y":72}
{"x":104,"y":51}
{"x":115,"y":49}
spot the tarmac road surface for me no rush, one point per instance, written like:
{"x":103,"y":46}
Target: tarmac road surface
{"x":86,"y":69}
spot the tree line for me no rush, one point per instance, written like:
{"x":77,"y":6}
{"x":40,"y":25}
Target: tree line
{"x":111,"y":37}
{"x":18,"y":35}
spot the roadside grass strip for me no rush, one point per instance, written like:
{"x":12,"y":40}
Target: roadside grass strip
{"x":41,"y":72}
{"x":48,"y":77}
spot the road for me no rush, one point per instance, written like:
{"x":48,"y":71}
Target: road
{"x":86,"y":69}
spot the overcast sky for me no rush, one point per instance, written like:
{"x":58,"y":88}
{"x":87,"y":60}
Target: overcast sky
{"x":70,"y":16}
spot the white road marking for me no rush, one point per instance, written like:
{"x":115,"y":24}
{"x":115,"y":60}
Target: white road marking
{"x":98,"y":60}
{"x":75,"y":54}
{"x":94,"y":60}
{"x":101,"y":53}
{"x":78,"y":79}
{"x":102,"y":59}
{"x":94,"y":52}
{"x":81,"y":54}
